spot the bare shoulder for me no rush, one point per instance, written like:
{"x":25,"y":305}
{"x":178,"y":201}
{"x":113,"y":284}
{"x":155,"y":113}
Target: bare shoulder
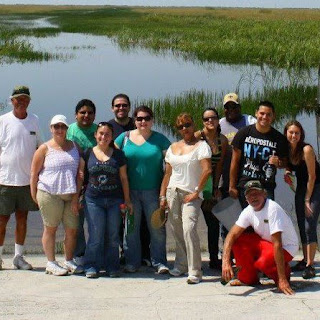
{"x":197,"y":134}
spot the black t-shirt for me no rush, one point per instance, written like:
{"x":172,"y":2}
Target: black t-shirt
{"x":256,"y":148}
{"x":104,"y":177}
{"x":118,"y":128}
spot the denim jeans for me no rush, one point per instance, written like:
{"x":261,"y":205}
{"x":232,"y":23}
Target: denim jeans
{"x":104,"y":219}
{"x":81,"y":240}
{"x":146,"y":201}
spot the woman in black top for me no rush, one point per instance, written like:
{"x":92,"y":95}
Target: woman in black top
{"x":303,"y":161}
{"x":218,"y":144}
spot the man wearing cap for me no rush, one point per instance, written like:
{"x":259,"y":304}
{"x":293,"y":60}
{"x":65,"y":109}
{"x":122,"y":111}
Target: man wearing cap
{"x":269,"y":249}
{"x":254,"y":148}
{"x":230,"y":124}
{"x":82,"y":132}
{"x":19,"y":139}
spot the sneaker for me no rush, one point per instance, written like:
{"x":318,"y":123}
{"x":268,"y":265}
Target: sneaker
{"x":92,"y":273}
{"x":20,"y":263}
{"x":215,"y":264}
{"x":129,"y":269}
{"x":300,"y":266}
{"x":193,"y":279}
{"x":146,"y":262}
{"x":72,"y":267}
{"x":54,"y":269}
{"x":114,"y":274}
{"x":309,"y":272}
{"x":162,"y":269}
{"x":176,"y":272}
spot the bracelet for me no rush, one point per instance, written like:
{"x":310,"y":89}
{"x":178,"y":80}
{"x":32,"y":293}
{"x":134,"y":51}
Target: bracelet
{"x":306,"y":200}
{"x":162,"y":198}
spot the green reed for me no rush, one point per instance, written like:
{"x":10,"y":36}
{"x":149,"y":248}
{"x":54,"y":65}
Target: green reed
{"x":288,"y":101}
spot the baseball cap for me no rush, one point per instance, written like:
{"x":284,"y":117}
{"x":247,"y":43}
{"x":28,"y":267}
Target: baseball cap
{"x":20,"y":91}
{"x":253,"y":184}
{"x":230,"y":97}
{"x":59,"y":118}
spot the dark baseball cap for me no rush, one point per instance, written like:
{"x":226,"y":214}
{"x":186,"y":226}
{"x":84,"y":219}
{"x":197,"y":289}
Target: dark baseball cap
{"x":20,"y":91}
{"x":252,"y":184}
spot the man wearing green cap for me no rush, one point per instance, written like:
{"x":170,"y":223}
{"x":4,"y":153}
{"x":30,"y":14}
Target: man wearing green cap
{"x":19,"y":139}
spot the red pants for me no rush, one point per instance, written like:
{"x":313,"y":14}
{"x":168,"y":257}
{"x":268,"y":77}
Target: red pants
{"x":253,"y":254}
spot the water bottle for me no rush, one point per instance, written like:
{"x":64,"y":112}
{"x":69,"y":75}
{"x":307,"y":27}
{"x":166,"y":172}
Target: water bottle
{"x":270,"y":171}
{"x":128,"y":219}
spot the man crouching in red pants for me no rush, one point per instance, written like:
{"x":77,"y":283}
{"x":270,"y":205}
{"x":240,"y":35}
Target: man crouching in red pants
{"x":269,"y":249}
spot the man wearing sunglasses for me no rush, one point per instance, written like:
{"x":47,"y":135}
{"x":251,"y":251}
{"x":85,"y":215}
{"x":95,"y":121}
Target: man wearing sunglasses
{"x":121,"y":108}
{"x":230,"y":124}
{"x":82,"y":132}
{"x":19,"y":139}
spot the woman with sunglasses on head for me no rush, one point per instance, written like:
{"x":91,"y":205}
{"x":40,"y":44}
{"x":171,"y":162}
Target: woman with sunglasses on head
{"x":107,"y":188}
{"x":188,"y":167}
{"x":144,"y":150}
{"x":56,"y":180}
{"x":218,"y":144}
{"x":302,"y":160}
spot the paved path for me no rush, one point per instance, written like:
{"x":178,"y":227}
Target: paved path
{"x":146,"y":295}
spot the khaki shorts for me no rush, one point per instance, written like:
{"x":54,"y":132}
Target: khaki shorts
{"x":56,"y":209}
{"x":14,"y":198}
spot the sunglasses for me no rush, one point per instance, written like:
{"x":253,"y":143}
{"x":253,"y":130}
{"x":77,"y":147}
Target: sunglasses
{"x":185,"y":125}
{"x":146,"y":118}
{"x":105,"y":124}
{"x":123,"y":105}
{"x":60,"y":126}
{"x":206,"y":119}
{"x":86,"y":112}
{"x":231,"y":106}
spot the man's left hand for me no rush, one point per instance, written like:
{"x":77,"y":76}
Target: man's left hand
{"x":284,"y":287}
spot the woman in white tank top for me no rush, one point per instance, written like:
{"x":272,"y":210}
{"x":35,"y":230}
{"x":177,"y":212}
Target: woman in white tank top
{"x":56,"y":179}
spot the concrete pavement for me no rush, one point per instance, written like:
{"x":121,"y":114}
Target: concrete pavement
{"x":146,"y":295}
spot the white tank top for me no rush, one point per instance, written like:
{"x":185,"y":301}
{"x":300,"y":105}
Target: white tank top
{"x":59,"y":172}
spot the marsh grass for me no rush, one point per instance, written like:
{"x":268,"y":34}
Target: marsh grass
{"x":289,"y":102}
{"x":282,"y":38}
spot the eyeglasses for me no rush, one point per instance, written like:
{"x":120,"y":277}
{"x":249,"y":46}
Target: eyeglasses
{"x":86,"y":112}
{"x":123,"y":105}
{"x":60,"y":126}
{"x":206,"y":119}
{"x":185,"y":125}
{"x":146,"y":118}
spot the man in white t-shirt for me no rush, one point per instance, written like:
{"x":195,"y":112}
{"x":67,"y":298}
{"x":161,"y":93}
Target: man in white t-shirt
{"x":19,"y":139}
{"x":268,"y":249}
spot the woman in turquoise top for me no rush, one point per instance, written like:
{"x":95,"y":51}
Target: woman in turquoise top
{"x":144,"y":150}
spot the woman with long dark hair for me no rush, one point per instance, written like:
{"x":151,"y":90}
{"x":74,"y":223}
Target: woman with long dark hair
{"x":218,"y":144}
{"x":303,"y":161}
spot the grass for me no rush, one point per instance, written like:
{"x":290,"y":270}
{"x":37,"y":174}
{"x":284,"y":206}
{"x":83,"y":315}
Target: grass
{"x":289,"y":102}
{"x":278,"y":37}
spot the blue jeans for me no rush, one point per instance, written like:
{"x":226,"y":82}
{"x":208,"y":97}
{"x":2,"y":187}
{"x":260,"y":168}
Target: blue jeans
{"x":104,"y":219}
{"x":81,"y":240}
{"x":146,"y":201}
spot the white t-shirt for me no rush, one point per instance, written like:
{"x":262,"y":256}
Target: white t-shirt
{"x":186,"y":168}
{"x":270,"y":220}
{"x":19,"y":139}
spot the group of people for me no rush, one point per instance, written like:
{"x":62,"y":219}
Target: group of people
{"x":89,"y":171}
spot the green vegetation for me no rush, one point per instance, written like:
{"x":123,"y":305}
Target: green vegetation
{"x":282,"y":38}
{"x":289,"y":102}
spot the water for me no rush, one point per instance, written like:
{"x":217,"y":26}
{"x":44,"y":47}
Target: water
{"x":178,"y":3}
{"x":97,"y":68}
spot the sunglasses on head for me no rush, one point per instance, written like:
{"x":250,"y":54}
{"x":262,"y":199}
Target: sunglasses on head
{"x":206,"y":119}
{"x":185,"y":125}
{"x":123,"y":105}
{"x":60,"y":126}
{"x":146,"y":118}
